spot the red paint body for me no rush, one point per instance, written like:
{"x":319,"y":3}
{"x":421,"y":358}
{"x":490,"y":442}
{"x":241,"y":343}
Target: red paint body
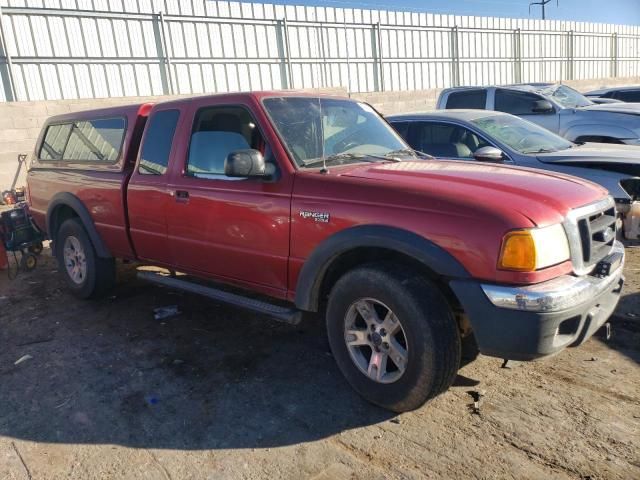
{"x":251,"y":234}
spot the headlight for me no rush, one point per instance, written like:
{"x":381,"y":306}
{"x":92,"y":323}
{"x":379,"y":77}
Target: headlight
{"x":535,"y":248}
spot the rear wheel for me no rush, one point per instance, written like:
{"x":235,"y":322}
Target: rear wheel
{"x":393,"y":336}
{"x":86,"y":274}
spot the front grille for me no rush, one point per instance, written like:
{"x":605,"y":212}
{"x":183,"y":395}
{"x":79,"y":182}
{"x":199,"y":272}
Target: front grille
{"x":597,"y":234}
{"x":591,"y":231}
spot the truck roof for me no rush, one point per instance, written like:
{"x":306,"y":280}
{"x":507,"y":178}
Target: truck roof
{"x":257,"y":95}
{"x":131,"y":110}
{"x":143,"y":109}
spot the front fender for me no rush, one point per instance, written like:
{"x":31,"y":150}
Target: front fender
{"x":421,"y":249}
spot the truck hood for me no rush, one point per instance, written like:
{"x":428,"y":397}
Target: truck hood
{"x":543,"y":197}
{"x":620,"y":158}
{"x":627,"y":108}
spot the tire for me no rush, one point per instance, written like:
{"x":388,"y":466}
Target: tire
{"x":86,"y":274}
{"x":426,"y":324}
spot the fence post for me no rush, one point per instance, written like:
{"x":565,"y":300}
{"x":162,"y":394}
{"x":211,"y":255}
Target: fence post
{"x":6,"y":72}
{"x":284,"y":52}
{"x":614,"y":55}
{"x":376,"y":41}
{"x":517,"y":56}
{"x":164,"y":60}
{"x":455,"y":58}
{"x":570,"y":41}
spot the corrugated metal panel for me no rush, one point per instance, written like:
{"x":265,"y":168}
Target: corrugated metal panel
{"x":96,"y":48}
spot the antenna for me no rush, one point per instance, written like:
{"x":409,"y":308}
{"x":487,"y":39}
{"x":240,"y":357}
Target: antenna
{"x":542,"y":3}
{"x":324,"y":159}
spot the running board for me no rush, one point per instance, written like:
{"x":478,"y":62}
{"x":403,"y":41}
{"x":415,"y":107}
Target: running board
{"x":282,"y":314}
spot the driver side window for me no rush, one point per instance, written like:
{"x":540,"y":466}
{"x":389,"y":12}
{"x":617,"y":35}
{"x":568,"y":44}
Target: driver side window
{"x":218,"y":131}
{"x":445,"y":140}
{"x":515,"y":103}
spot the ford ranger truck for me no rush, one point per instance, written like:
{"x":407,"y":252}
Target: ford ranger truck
{"x":285,"y":203}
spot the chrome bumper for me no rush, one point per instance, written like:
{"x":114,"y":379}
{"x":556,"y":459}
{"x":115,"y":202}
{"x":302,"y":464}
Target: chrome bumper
{"x":554,"y":295}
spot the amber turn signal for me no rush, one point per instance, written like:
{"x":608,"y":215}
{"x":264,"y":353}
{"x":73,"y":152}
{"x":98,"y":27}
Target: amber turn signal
{"x":518,"y":252}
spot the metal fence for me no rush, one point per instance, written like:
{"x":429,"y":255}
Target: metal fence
{"x":82,"y":49}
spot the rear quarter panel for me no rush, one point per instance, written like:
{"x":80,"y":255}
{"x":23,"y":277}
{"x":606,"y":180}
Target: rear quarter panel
{"x":100,"y":187}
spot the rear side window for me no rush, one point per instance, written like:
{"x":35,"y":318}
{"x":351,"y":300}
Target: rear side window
{"x":97,"y":140}
{"x":54,"y":142}
{"x":157,"y":143}
{"x":476,"y":99}
{"x":628,"y":95}
{"x":515,"y":103}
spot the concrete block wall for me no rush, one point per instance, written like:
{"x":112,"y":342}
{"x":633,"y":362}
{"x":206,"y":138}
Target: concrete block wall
{"x":20,"y":122}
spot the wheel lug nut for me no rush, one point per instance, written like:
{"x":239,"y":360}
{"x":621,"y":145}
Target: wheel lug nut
{"x":385,"y":345}
{"x":383,"y":332}
{"x":368,"y":337}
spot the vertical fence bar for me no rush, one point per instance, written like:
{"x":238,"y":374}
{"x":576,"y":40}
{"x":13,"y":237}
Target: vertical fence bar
{"x":282,"y":37}
{"x":455,"y":58}
{"x":378,"y":50}
{"x":614,"y":55}
{"x":570,"y":44}
{"x":6,"y":71}
{"x":517,"y":56}
{"x":287,"y":49}
{"x":164,"y":59}
{"x":346,"y":46}
{"x":375,"y":58}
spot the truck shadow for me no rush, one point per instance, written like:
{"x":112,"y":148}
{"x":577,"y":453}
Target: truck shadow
{"x":211,"y":377}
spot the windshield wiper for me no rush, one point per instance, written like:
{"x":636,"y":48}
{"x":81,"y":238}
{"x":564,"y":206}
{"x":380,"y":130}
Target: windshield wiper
{"x":412,"y":151}
{"x":541,"y":150}
{"x":363,"y":157}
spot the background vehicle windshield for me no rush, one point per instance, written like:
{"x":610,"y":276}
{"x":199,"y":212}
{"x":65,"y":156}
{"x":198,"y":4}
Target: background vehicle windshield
{"x":567,"y":96}
{"x":521,"y":135}
{"x":307,"y":124}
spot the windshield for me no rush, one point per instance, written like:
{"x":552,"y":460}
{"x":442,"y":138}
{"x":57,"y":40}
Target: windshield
{"x":521,"y":135}
{"x":566,"y":96}
{"x":311,"y":127}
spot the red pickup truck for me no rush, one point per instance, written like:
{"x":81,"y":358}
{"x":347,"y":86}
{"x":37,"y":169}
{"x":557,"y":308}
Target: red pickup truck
{"x":305,"y":203}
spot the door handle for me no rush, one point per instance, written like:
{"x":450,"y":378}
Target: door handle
{"x":182,"y":196}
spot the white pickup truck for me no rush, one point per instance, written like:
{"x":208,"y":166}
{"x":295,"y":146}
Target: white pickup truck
{"x":555,"y":107}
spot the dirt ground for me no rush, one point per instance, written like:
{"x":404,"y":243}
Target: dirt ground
{"x":109,"y":392}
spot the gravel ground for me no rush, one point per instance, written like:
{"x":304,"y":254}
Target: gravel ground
{"x":109,"y":392}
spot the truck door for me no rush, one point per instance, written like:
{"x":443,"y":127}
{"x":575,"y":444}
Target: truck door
{"x":522,"y":104}
{"x":148,"y":195}
{"x":234,"y":229}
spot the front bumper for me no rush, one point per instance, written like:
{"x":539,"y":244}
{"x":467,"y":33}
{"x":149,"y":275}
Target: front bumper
{"x":524,"y":323}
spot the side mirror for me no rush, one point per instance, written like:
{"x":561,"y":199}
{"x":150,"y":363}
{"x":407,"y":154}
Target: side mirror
{"x":489,"y":154}
{"x":542,"y":106}
{"x":247,"y":163}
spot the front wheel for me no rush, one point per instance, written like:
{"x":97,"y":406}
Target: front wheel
{"x":393,"y":336}
{"x":86,"y":274}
